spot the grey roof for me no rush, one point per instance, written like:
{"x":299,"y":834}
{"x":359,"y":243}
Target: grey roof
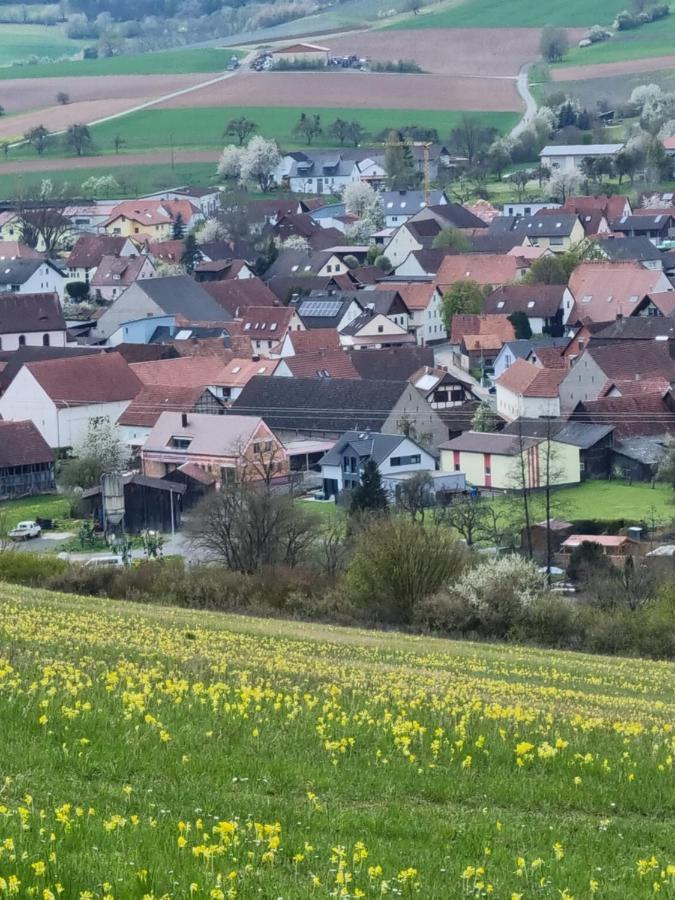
{"x":580,"y":434}
{"x":407,"y":203}
{"x":457,"y":215}
{"x":158,"y":484}
{"x":298,"y":263}
{"x":317,"y":163}
{"x":648,"y":450}
{"x":638,"y":248}
{"x":580,"y":149}
{"x":392,"y":364}
{"x":558,"y":225}
{"x":521,"y":348}
{"x":638,"y":328}
{"x":366,"y":444}
{"x":18,"y":271}
{"x":642,"y":223}
{"x":499,"y":444}
{"x":324,"y":311}
{"x":323,"y":404}
{"x":180,"y":294}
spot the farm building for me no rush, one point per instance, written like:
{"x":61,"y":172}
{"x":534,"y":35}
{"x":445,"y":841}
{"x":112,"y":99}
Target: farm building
{"x":26,"y":461}
{"x":568,"y":157}
{"x":149,"y":503}
{"x":301,"y":53}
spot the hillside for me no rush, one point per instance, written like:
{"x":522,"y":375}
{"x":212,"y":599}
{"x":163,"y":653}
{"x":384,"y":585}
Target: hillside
{"x":154,"y":752}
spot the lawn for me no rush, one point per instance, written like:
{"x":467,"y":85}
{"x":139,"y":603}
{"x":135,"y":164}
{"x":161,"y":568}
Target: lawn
{"x":173,"y":62}
{"x":153,"y":752}
{"x":653,"y":39}
{"x":201,"y":128}
{"x":46,"y":507}
{"x":19,"y":42}
{"x":134,"y":180}
{"x":515,"y":13}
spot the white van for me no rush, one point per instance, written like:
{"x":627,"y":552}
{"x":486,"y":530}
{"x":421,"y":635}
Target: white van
{"x":105,"y":562}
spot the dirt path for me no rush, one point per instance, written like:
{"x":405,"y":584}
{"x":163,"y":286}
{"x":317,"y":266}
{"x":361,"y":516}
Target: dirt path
{"x":106,"y":162}
{"x":605,"y":70}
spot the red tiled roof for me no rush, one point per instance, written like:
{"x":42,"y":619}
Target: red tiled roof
{"x":90,"y":249}
{"x":186,"y":371}
{"x":102,"y":378}
{"x":467,"y":325}
{"x":30,"y":313}
{"x":611,"y":207}
{"x":266,"y":321}
{"x":152,"y":400}
{"x":17,"y":250}
{"x":483,"y":268}
{"x":526,"y":380}
{"x":21,"y":444}
{"x":314,"y":340}
{"x":333,"y":364}
{"x":603,"y":290}
{"x":166,"y":251}
{"x":550,"y":357}
{"x":118,"y":270}
{"x":632,"y":416}
{"x":238,"y":294}
{"x":415,"y":295}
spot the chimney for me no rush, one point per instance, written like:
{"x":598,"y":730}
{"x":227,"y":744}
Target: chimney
{"x":184,"y":420}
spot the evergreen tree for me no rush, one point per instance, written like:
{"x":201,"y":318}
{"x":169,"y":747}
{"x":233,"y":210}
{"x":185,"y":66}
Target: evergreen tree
{"x":369,"y":495}
{"x":178,"y":229}
{"x":399,"y":164}
{"x":191,"y":255}
{"x":521,"y":325}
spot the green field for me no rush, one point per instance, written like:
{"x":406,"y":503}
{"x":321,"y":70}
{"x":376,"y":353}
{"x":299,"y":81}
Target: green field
{"x":20,"y":42}
{"x":134,"y":180}
{"x":653,"y":39}
{"x":612,"y":500}
{"x":201,"y":128}
{"x":165,"y":62}
{"x":514,"y":14}
{"x":47,"y":507}
{"x":153,"y":752}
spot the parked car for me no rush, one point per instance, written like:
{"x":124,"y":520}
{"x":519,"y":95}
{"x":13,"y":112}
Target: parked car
{"x":24,"y":531}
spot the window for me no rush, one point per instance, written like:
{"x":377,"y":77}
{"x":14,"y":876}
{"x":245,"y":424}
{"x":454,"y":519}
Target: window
{"x":180,"y":443}
{"x":380,"y":328}
{"x":556,"y":242}
{"x":45,"y":340}
{"x":22,"y":340}
{"x":414,"y":460}
{"x":262,"y":446}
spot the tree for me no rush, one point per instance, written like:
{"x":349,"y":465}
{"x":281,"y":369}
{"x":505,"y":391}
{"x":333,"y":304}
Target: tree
{"x":659,"y":166}
{"x":369,"y":495}
{"x":78,"y":291}
{"x":452,"y":239}
{"x":398,"y":563}
{"x":241,"y":128}
{"x":563,"y":185}
{"x":356,"y":133}
{"x":521,"y":325}
{"x":308,"y":127}
{"x":554,"y":44}
{"x":470,"y":138}
{"x":415,"y":495}
{"x":2,"y":110}
{"x":666,"y":468}
{"x":340,"y":130}
{"x":191,"y":255}
{"x":103,"y":186}
{"x":484,"y":419}
{"x":399,"y":164}
{"x":383,"y":263}
{"x":178,"y":228}
{"x":519,"y":180}
{"x":625,"y":164}
{"x":247,"y":526}
{"x":259,"y":162}
{"x":42,"y":220}
{"x":499,"y":156}
{"x":38,"y":138}
{"x":359,"y":197}
{"x":6,"y":145}
{"x":229,"y":164}
{"x":78,"y":139}
{"x":467,"y":516}
{"x":463,"y":296}
{"x":118,"y":140}
{"x":63,"y":98}
{"x":547,"y":270}
{"x":100,"y":451}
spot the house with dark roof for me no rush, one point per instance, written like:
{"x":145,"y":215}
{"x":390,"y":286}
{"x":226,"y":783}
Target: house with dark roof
{"x":635,"y":415}
{"x":222,"y":270}
{"x":374,"y":331}
{"x":62,"y":396}
{"x":401,"y":206}
{"x":595,"y":441}
{"x":265,"y":326}
{"x":116,"y":273}
{"x":31,"y":320}
{"x":656,"y":226}
{"x":88,"y":251}
{"x":442,"y":389}
{"x":525,"y":349}
{"x":631,"y":249}
{"x":619,"y":369}
{"x":393,"y":364}
{"x":26,"y":461}
{"x":543,"y":304}
{"x":31,"y":276}
{"x":324,"y":408}
{"x":176,"y":296}
{"x":332,"y":310}
{"x":420,"y":264}
{"x":503,"y":461}
{"x":420,"y":230}
{"x":551,"y":229}
{"x":394,"y":455}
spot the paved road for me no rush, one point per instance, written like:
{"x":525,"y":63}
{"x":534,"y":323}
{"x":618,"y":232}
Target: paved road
{"x":523,"y":87}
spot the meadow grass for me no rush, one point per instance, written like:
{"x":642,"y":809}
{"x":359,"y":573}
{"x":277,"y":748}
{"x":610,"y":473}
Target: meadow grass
{"x":46,"y":507}
{"x":164,"y":62}
{"x":20,"y":42}
{"x":515,"y":14}
{"x":153,"y":752}
{"x":652,"y":39}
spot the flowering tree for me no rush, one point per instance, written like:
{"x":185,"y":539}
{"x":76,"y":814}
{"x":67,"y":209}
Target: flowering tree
{"x":259,"y":162}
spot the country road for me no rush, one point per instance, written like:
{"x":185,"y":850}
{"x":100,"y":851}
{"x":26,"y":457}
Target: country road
{"x":523,"y":88}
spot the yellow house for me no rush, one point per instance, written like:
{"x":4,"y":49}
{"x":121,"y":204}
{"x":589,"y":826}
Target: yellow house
{"x":153,"y":219}
{"x":500,"y":460}
{"x":552,"y":232}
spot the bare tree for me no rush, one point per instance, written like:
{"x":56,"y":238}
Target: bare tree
{"x":43,"y":223}
{"x":241,"y":128}
{"x":468,"y":516}
{"x":415,"y":495}
{"x":332,"y":546}
{"x":38,"y":137}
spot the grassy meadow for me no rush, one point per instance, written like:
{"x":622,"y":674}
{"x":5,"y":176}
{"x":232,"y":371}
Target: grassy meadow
{"x":20,"y":42}
{"x":165,"y":62}
{"x":514,"y":14}
{"x":652,"y":39}
{"x":155,"y":752}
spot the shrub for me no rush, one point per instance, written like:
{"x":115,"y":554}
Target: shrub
{"x":31,"y":569}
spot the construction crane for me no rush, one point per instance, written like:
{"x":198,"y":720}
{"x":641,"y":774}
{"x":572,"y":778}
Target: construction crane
{"x":426,"y":159}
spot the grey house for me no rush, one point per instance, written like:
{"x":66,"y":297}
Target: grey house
{"x":177,"y":295}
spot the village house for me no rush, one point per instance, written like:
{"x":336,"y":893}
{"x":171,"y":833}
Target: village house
{"x":394,"y":454}
{"x":568,"y":157}
{"x":420,"y":230}
{"x":595,"y":442}
{"x":301,"y":53}
{"x":556,"y":230}
{"x":635,"y":249}
{"x":528,"y":391}
{"x":176,"y":295}
{"x":543,"y":304}
{"x":657,"y":227}
{"x":226,"y":447}
{"x":141,"y":415}
{"x":423,"y":300}
{"x":328,"y":172}
{"x":441,"y":389}
{"x":477,"y":339}
{"x":420,"y":264}
{"x":26,"y":461}
{"x":31,"y":276}
{"x":615,"y":547}
{"x":150,"y":219}
{"x":400,"y":206}
{"x":602,"y":291}
{"x":31,"y":320}
{"x":326,"y":311}
{"x":310,"y":341}
{"x":321,"y":364}
{"x":206,"y":199}
{"x":487,"y":269}
{"x":265,"y":326}
{"x":62,"y":396}
{"x":116,"y":273}
{"x":237,"y":295}
{"x":374,"y":331}
{"x":504,"y":461}
{"x":222,"y":270}
{"x":88,"y":251}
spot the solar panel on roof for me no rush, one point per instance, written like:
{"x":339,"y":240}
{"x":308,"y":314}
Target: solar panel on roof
{"x":327,"y":308}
